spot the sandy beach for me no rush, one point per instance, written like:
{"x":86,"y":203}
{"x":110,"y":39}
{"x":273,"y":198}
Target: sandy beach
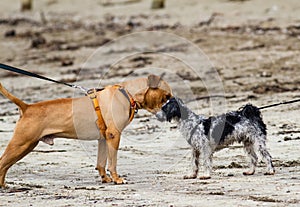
{"x":216,"y":55}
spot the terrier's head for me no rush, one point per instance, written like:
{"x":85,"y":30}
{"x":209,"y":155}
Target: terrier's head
{"x":170,"y":110}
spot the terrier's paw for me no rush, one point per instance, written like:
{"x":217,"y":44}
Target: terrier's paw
{"x":205,"y":177}
{"x":193,"y":176}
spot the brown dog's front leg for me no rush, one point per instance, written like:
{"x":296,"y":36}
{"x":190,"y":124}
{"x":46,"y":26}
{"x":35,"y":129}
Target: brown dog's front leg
{"x":101,"y":161}
{"x":113,"y":140}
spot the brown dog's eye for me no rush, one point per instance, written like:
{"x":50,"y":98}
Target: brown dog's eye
{"x":168,"y":96}
{"x":165,"y":97}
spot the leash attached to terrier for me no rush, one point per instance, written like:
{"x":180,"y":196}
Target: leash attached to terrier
{"x":281,"y":103}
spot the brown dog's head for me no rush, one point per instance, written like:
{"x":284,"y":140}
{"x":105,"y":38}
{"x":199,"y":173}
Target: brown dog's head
{"x":156,"y":94}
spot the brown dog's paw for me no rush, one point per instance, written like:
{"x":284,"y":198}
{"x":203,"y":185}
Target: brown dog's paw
{"x":248,"y":173}
{"x":120,"y":181}
{"x":3,"y":186}
{"x":205,"y":177}
{"x":106,"y":179}
{"x":117,"y":179}
{"x":190,"y":176}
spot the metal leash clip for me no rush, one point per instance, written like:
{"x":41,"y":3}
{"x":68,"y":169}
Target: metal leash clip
{"x":91,"y":93}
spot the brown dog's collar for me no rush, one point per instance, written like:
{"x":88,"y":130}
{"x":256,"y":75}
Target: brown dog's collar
{"x":133,"y":104}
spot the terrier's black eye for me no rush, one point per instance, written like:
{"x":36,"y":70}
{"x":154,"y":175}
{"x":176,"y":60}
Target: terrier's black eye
{"x":168,"y":96}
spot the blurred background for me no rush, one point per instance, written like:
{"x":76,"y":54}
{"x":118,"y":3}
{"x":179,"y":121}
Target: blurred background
{"x":253,"y":45}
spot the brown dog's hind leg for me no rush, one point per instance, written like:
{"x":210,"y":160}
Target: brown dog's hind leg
{"x":15,"y":150}
{"x":101,"y":161}
{"x":23,"y":141}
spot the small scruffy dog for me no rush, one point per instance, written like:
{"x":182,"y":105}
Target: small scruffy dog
{"x":207,"y":135}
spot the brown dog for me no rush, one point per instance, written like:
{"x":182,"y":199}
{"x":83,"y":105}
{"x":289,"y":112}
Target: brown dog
{"x":75,"y":118}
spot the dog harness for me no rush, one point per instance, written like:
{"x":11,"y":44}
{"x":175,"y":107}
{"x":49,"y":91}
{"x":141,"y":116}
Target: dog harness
{"x":133,"y":105}
{"x":92,"y":93}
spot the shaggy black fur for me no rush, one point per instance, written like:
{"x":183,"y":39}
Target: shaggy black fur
{"x":224,"y":126}
{"x":253,"y":113}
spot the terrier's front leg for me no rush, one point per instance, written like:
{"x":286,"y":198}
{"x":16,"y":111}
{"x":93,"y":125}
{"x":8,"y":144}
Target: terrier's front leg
{"x":195,"y":163}
{"x":207,"y":163}
{"x":101,"y":161}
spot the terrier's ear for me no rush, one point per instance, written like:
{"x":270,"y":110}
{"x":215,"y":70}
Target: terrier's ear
{"x":153,"y":81}
{"x":179,"y":100}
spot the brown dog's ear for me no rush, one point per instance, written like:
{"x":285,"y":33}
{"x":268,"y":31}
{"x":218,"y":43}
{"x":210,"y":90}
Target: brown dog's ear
{"x":162,"y":75}
{"x":153,"y":81}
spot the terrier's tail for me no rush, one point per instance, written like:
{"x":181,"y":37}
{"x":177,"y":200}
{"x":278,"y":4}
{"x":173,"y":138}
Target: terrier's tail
{"x":22,"y":105}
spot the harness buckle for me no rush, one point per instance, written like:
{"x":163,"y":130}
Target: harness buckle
{"x":92,"y":93}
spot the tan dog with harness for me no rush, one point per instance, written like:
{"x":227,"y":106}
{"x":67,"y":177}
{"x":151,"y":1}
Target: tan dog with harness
{"x":75,"y":118}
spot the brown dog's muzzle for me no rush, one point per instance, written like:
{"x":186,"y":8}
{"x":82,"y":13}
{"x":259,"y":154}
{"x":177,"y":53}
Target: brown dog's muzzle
{"x":155,"y":98}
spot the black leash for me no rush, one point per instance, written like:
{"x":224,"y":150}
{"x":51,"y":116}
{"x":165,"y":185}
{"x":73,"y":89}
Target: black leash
{"x":24,"y":72}
{"x":262,"y":107}
{"x":277,"y":104}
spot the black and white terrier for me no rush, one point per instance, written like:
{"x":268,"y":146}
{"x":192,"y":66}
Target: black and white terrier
{"x":207,"y":135}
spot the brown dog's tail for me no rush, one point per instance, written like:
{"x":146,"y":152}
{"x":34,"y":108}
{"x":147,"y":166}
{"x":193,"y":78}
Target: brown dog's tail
{"x":14,"y":99}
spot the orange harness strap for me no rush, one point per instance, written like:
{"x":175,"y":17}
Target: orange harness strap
{"x":100,"y":122}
